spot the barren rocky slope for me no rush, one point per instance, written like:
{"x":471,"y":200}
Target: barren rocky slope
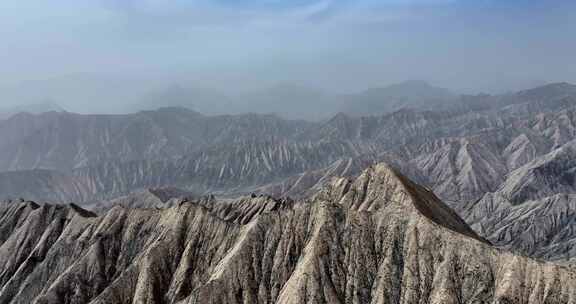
{"x":43,"y":185}
{"x":64,"y":141}
{"x":534,"y":210}
{"x":377,"y":239}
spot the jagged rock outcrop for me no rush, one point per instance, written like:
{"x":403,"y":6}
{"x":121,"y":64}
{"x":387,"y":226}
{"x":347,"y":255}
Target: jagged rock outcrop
{"x":379,"y":238}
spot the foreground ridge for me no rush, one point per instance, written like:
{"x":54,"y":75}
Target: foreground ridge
{"x":378,"y":238}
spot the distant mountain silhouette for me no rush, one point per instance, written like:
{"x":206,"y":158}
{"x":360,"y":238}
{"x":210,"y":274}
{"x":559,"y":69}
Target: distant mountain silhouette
{"x":203,"y":100}
{"x":286,"y":100}
{"x":30,"y":108}
{"x":409,"y":94}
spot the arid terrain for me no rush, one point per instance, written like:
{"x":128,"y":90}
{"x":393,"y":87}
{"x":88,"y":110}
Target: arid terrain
{"x":378,"y":238}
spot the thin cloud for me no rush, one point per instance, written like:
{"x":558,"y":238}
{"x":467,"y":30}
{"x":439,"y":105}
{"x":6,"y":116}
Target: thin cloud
{"x":225,"y":12}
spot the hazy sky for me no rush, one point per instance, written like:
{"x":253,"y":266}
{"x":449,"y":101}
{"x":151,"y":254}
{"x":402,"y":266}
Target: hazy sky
{"x":89,"y":54}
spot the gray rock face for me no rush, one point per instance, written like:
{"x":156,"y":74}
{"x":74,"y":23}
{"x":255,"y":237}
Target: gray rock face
{"x":376,"y":239}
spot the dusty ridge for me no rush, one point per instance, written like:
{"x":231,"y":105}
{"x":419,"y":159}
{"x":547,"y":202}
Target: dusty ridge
{"x":376,"y":239}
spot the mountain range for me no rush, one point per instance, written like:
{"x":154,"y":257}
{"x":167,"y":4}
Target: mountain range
{"x":502,"y":162}
{"x":376,"y":238}
{"x":293,"y":101}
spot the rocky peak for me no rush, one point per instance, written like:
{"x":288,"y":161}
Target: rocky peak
{"x":382,"y":188}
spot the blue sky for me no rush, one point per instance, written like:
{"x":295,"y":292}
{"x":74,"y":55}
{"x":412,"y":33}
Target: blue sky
{"x":72,"y":50}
